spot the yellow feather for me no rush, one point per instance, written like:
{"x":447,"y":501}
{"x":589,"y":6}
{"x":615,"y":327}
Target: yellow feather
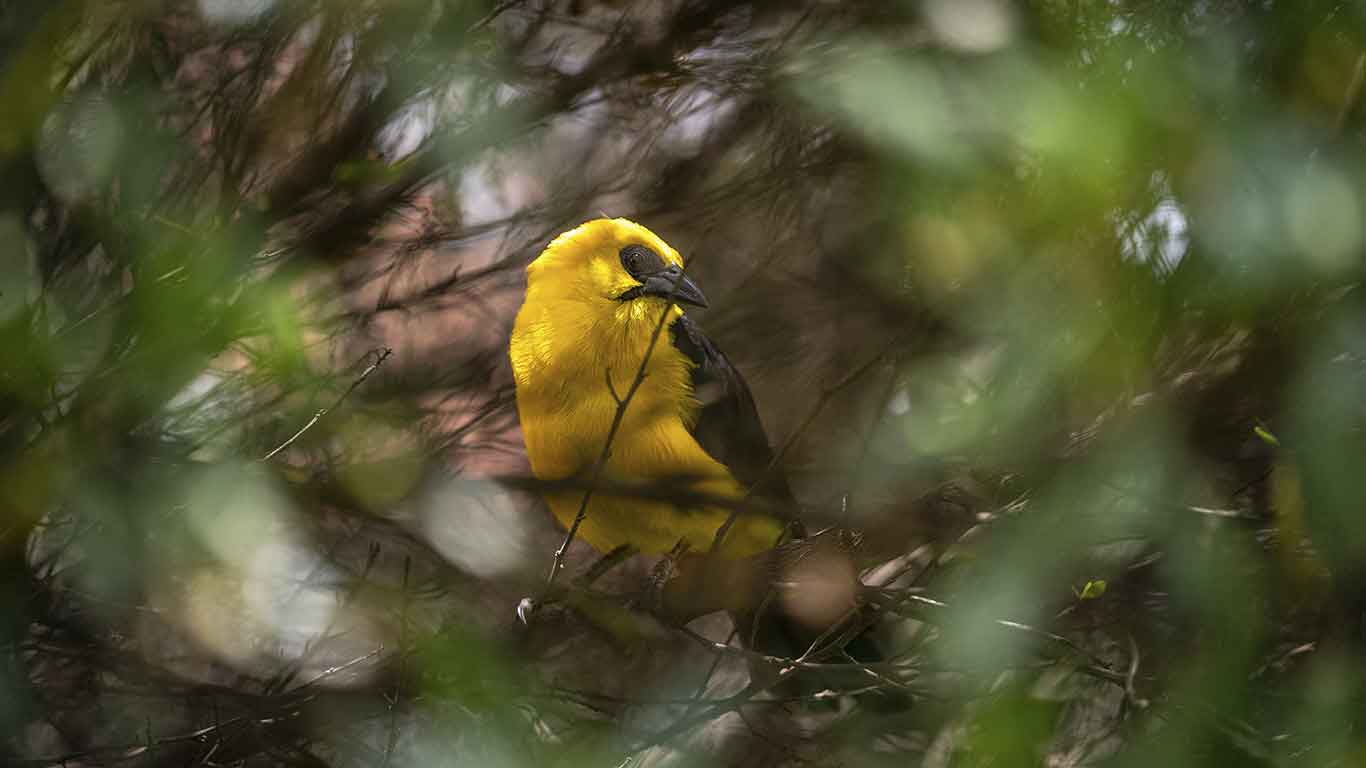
{"x":570,"y":334}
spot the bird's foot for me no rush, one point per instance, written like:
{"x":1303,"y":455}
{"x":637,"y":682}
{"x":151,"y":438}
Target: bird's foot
{"x":664,"y":571}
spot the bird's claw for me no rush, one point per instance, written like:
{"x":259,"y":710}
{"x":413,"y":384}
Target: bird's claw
{"x":527,"y":608}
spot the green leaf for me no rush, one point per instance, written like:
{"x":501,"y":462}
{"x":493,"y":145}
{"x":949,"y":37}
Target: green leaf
{"x":1092,"y":590}
{"x":1266,"y":435}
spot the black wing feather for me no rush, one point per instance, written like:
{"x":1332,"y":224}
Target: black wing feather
{"x":729,"y":430}
{"x":728,"y":426}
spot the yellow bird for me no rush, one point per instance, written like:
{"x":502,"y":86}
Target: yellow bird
{"x":594,"y":299}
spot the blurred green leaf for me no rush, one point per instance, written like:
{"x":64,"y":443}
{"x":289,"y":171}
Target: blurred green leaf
{"x":1092,"y":590}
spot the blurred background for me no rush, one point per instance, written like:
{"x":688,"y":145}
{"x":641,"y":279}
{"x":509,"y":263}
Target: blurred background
{"x":1057,"y":302}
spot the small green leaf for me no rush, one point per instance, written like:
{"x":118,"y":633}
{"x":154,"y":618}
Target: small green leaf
{"x":1092,"y":590}
{"x":1266,"y":436}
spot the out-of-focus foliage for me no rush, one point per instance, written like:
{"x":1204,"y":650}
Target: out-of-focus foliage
{"x":1058,"y":303}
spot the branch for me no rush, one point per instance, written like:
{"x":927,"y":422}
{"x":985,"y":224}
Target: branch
{"x":673,"y":489}
{"x":826,"y":395}
{"x":383,"y":354}
{"x":1096,"y":668}
{"x":1352,"y":95}
{"x":617,"y":417}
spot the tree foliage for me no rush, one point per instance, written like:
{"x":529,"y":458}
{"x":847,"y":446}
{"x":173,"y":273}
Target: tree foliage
{"x":1056,"y":304}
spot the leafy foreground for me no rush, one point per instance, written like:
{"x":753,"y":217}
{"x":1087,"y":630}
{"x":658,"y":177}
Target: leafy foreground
{"x":1055,"y":304}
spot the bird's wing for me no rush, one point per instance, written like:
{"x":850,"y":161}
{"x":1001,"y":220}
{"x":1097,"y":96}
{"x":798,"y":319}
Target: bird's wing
{"x":728,"y":426}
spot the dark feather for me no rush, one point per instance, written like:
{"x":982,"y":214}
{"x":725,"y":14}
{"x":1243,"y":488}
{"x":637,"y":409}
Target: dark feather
{"x":728,"y":426}
{"x":729,"y":430}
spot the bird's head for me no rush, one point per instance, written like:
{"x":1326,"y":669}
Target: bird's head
{"x":611,"y":263}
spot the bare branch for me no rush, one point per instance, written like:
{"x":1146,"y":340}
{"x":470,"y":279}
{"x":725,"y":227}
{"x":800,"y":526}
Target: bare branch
{"x":381,"y":355}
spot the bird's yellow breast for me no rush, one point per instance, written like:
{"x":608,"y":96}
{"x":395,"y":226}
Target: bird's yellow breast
{"x":564,"y":352}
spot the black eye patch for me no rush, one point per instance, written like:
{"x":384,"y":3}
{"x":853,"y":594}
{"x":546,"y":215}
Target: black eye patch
{"x":640,"y":260}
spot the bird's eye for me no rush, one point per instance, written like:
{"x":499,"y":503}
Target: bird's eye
{"x":640,"y":260}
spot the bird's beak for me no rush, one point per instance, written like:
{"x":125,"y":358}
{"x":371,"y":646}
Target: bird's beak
{"x":673,"y":283}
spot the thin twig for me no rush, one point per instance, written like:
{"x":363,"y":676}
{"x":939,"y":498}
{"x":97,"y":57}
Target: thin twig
{"x":119,"y":754}
{"x":1157,"y":501}
{"x":383,"y":354}
{"x":786,"y":668}
{"x":338,"y":669}
{"x":677,"y":490}
{"x":1352,"y":95}
{"x":600,"y":465}
{"x":392,"y":742}
{"x":498,"y":10}
{"x":1097,"y":666}
{"x":803,"y":661}
{"x":823,"y":400}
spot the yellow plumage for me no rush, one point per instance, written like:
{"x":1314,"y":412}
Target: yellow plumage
{"x":573,"y":331}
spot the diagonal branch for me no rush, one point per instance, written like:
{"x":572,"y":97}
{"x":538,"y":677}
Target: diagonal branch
{"x":622,"y":403}
{"x":821,"y":402}
{"x":382,"y":355}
